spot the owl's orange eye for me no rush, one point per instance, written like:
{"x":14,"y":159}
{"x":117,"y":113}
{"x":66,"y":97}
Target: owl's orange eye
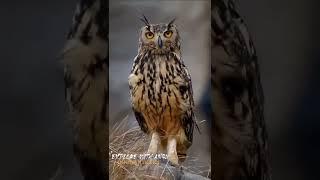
{"x":167,"y":34}
{"x":149,"y":35}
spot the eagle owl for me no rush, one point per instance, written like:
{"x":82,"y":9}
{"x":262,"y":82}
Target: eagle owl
{"x":240,"y":139}
{"x":86,"y":86}
{"x":161,"y":91}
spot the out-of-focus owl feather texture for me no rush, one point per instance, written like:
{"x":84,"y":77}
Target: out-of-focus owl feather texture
{"x":86,"y":86}
{"x":240,"y":147}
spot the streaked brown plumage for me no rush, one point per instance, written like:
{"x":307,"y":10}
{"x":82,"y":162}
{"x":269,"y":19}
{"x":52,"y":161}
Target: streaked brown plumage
{"x":161,"y":90}
{"x":240,"y":142}
{"x":86,"y":87}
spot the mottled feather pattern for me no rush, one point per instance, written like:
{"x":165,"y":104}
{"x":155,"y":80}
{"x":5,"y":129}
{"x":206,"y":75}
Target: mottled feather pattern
{"x":156,"y":92}
{"x":240,"y":149}
{"x":86,"y":86}
{"x":160,"y":86}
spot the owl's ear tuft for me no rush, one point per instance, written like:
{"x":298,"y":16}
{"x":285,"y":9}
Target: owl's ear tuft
{"x":145,"y":20}
{"x":171,"y":22}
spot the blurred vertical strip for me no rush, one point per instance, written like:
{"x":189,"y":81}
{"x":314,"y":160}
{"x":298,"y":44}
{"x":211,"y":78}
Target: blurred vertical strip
{"x":240,"y":141}
{"x":85,"y":59}
{"x":306,"y":116}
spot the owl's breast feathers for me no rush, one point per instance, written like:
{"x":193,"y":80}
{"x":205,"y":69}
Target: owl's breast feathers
{"x":161,"y":94}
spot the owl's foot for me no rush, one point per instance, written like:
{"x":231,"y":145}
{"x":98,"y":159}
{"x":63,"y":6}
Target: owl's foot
{"x":154,"y":144}
{"x":172,"y":151}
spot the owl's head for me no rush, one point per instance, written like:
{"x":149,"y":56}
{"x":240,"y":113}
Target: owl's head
{"x":159,"y":38}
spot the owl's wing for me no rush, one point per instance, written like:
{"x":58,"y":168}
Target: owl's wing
{"x":186,"y":90}
{"x":239,"y":137}
{"x":137,"y":114}
{"x":141,"y":120}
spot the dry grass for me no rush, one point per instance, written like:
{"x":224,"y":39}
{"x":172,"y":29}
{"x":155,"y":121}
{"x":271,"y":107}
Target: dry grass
{"x":131,"y":140}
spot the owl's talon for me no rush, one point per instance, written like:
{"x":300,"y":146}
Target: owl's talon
{"x":173,"y":160}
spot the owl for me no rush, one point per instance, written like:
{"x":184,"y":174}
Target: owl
{"x":161,"y":91}
{"x":86,"y":86}
{"x":240,"y":140}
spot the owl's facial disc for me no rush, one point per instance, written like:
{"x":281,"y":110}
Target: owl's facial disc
{"x":159,"y":38}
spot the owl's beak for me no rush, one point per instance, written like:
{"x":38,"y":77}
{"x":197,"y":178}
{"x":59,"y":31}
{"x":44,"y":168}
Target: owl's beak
{"x":160,"y":42}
